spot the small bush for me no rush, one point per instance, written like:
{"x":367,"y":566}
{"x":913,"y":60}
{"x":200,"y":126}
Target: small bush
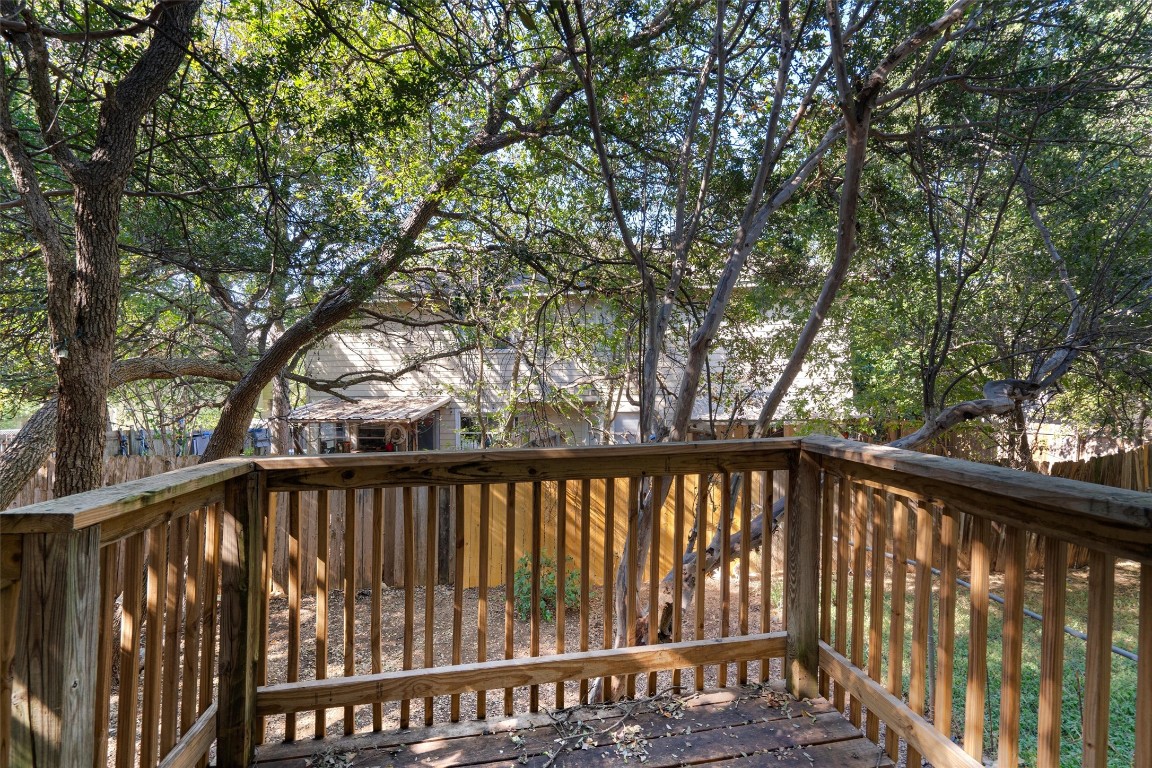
{"x":522,"y":587}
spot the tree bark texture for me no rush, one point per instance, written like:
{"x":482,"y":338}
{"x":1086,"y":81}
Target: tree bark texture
{"x":84,"y":287}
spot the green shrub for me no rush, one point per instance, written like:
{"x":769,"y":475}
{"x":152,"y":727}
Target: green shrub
{"x":522,"y":587}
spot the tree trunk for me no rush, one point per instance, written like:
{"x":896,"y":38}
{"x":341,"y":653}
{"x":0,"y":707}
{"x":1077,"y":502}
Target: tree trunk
{"x":85,"y":359}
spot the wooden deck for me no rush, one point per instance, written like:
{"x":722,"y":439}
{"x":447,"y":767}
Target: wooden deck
{"x":750,"y":726}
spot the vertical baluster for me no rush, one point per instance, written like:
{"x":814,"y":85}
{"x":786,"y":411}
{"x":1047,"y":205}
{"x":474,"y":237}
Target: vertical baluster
{"x":899,"y":512}
{"x":267,"y":579}
{"x":153,"y":643}
{"x":1144,"y":671}
{"x":827,"y":518}
{"x":876,"y":604}
{"x":105,"y":647}
{"x":608,"y":603}
{"x":458,"y":594}
{"x":509,"y":578}
{"x":977,"y":640}
{"x":843,"y":528}
{"x":321,"y":602}
{"x":859,"y":566}
{"x":193,"y":616}
{"x":409,"y":594}
{"x":946,"y":638}
{"x":921,"y":619}
{"x":295,"y":537}
{"x":430,"y":542}
{"x":654,"y":488}
{"x":134,"y":549}
{"x":1052,"y":654}
{"x":725,"y":567}
{"x":534,"y":614}
{"x":561,"y":575}
{"x":702,"y":483}
{"x":173,"y":621}
{"x":211,"y":589}
{"x":766,"y":510}
{"x":585,"y":571}
{"x":1098,"y":658}
{"x":1012,"y":647}
{"x":376,"y":616}
{"x":677,"y":559}
{"x":745,"y":545}
{"x":213,"y":533}
{"x":633,"y":588}
{"x":482,"y":589}
{"x":349,"y":600}
{"x":9,"y":605}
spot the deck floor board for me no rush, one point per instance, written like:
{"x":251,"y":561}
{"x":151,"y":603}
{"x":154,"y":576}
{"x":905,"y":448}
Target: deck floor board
{"x":720,"y":728}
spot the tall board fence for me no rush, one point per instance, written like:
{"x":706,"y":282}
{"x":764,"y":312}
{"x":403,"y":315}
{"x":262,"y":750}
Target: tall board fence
{"x":441,"y":527}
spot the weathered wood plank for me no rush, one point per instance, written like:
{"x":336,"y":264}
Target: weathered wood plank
{"x":116,"y":504}
{"x":521,"y":464}
{"x":321,"y":723}
{"x":899,"y":512}
{"x":193,"y":619}
{"x":921,"y":619}
{"x":1144,"y":671}
{"x":130,"y":622}
{"x":843,"y":537}
{"x":876,"y":604}
{"x":946,"y":633}
{"x":803,"y":526}
{"x":561,"y":575}
{"x":719,"y":702}
{"x":1008,"y":750}
{"x":861,"y":496}
{"x":407,"y":684}
{"x":1052,"y":654}
{"x":1116,"y":520}
{"x":57,"y":630}
{"x":1098,"y":659}
{"x":457,"y":593}
{"x":153,"y":644}
{"x":977,"y":641}
{"x":678,"y":583}
{"x":194,"y":744}
{"x":430,"y":593}
{"x":109,"y":568}
{"x":350,"y":550}
{"x":241,"y":606}
{"x":939,"y":750}
{"x":482,"y":592}
{"x":376,"y":614}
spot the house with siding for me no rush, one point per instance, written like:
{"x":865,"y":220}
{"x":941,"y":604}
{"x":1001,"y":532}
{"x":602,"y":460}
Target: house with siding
{"x":455,"y":394}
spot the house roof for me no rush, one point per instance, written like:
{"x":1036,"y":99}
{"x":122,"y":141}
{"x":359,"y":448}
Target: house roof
{"x":392,"y":409}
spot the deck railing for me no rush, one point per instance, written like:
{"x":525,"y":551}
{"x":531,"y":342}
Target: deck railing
{"x":228,"y":654}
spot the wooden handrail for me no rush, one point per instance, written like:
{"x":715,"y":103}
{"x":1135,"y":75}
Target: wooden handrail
{"x":373,"y":470}
{"x":1114,"y":520}
{"x":109,"y":507}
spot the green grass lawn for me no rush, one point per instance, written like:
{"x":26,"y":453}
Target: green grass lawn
{"x":1123,"y":693}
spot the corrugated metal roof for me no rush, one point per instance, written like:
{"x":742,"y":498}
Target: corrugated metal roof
{"x":391,"y":409}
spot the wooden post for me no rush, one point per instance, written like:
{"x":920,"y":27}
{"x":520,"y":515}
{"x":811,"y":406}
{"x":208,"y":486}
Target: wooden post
{"x":802,"y":522}
{"x":54,"y":670}
{"x":241,"y":606}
